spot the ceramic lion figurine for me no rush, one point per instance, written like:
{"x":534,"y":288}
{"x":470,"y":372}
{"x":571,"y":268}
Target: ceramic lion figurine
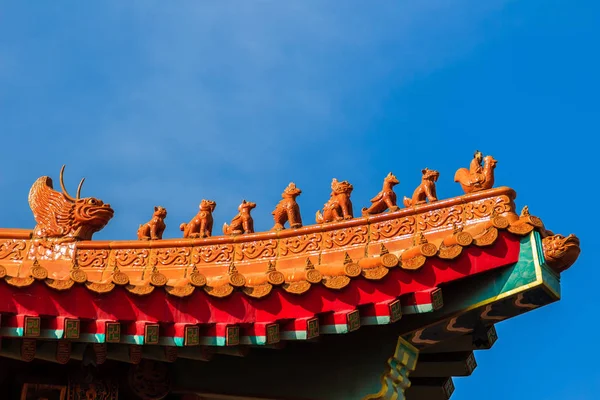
{"x":386,"y":199}
{"x":201,"y":225}
{"x":287,"y":210}
{"x":243,"y":222}
{"x":425,"y":191}
{"x":339,"y":206}
{"x":153,"y":229}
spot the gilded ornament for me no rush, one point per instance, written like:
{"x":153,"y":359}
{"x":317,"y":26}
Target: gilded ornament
{"x":100,"y":350}
{"x":256,"y":249}
{"x":336,"y":282}
{"x":197,"y":279}
{"x":131,"y":257}
{"x":180,"y":291}
{"x":19,"y":282}
{"x":63,"y":351}
{"x":119,"y":277}
{"x":352,"y":269}
{"x":413,"y":263}
{"x":77,"y":274}
{"x":158,"y":279}
{"x":38,"y":272}
{"x":299,"y":287}
{"x":389,"y":260}
{"x":28,"y":348}
{"x":273,"y":276}
{"x":219,"y":291}
{"x":140,"y":290}
{"x":486,"y":238}
{"x":60,"y":284}
{"x":92,"y":257}
{"x":346,"y":237}
{"x":12,"y":249}
{"x":464,"y":239}
{"x":375,"y":274}
{"x":301,"y":244}
{"x":100,"y":287}
{"x":213,"y":253}
{"x":313,"y":276}
{"x":173,"y":256}
{"x":235,"y":278}
{"x":450,"y":252}
{"x":392,"y":228}
{"x":258,"y":291}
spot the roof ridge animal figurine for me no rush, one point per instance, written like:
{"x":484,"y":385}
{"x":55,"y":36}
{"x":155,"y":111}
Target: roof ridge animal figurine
{"x":288,"y":210}
{"x":339,"y":206}
{"x":201,"y":225}
{"x":60,"y":216}
{"x":154,"y":229}
{"x":242,"y":222}
{"x":477,"y":177}
{"x":386,"y":199}
{"x":426,"y":190}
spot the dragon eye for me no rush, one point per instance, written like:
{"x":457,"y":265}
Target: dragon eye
{"x":92,"y":201}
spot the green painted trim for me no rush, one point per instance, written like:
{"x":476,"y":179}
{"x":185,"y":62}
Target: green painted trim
{"x":132,"y":339}
{"x":334,"y":329}
{"x":254,"y":340}
{"x":213,"y":341}
{"x":294,"y":335}
{"x":91,"y":338}
{"x":11,"y":332}
{"x":417,"y":309}
{"x":384,"y":320}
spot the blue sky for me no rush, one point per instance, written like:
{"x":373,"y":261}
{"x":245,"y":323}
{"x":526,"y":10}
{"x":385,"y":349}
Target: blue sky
{"x":160,"y":105}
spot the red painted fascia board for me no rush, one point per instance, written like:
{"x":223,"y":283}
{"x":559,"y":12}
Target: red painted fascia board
{"x":78,"y":302}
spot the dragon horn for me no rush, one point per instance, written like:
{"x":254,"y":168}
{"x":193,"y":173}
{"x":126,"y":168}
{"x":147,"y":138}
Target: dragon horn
{"x":62,"y":185}
{"x":79,"y":188}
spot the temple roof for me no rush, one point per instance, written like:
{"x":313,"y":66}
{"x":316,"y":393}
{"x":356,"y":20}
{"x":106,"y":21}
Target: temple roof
{"x":290,"y":283}
{"x":330,"y":255}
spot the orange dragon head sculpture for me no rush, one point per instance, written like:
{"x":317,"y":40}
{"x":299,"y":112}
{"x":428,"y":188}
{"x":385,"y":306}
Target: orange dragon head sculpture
{"x":59,"y":215}
{"x":560,"y":252}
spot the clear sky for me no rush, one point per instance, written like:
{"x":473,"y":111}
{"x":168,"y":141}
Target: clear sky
{"x":163,"y":104}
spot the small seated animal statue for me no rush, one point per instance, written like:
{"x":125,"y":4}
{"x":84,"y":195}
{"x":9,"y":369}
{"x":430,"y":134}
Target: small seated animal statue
{"x":425,"y":191}
{"x":386,"y":199}
{"x":287,"y":210}
{"x":339,"y":206}
{"x":477,"y":177}
{"x":153,"y":229}
{"x":243,"y":222}
{"x":201,"y":225}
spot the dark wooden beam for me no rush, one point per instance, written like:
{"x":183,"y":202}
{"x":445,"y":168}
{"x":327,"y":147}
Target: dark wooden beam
{"x":430,"y":389}
{"x":442,"y":365}
{"x":480,"y":339}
